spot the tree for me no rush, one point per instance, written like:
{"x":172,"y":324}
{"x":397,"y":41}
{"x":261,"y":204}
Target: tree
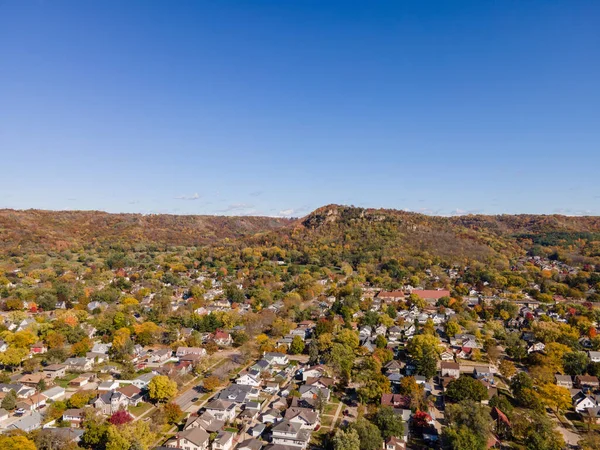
{"x":422,"y":344}
{"x":427,"y":363}
{"x":380,"y":341}
{"x":161,"y":388}
{"x":575,"y":363}
{"x":389,"y":424}
{"x":461,"y":438}
{"x":555,"y":397}
{"x":346,"y":440}
{"x":590,"y":441}
{"x":313,"y":352}
{"x":297,"y":346}
{"x":82,"y":347}
{"x":79,"y":399}
{"x":368,"y":433}
{"x":374,"y":387}
{"x":452,"y":328}
{"x":120,"y":417}
{"x":341,"y":359}
{"x":211,"y":383}
{"x":172,"y":412}
{"x":9,"y":402}
{"x":507,"y":368}
{"x":466,"y":388}
{"x":16,"y":443}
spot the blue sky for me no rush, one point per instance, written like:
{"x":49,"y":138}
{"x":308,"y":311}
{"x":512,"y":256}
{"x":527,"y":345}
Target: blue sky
{"x":279,"y":107}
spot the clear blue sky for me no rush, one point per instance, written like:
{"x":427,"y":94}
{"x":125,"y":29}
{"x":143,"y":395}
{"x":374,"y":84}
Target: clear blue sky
{"x":279,"y":107}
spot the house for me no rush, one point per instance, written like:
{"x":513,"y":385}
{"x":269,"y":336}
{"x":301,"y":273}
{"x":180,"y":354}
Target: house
{"x":133,"y":394}
{"x":251,"y":378}
{"x":312,"y":391}
{"x":21,"y":390}
{"x":483,"y":372}
{"x":223,"y":441}
{"x":32,"y":379}
{"x":55,"y":393}
{"x":161,"y":356}
{"x":101,"y":348}
{"x":142,"y":381}
{"x":394,"y":333}
{"x":276,"y":359}
{"x":449,"y":369}
{"x":206,"y":421}
{"x":313,"y":372}
{"x":257,"y":430}
{"x":108,"y":386}
{"x":222,"y":338}
{"x":32,"y":403}
{"x":430,"y":294}
{"x":3,"y":346}
{"x":396,"y":401}
{"x":238,"y":393}
{"x":391,"y":295}
{"x":290,"y":433}
{"x":582,"y":402}
{"x":394,"y":366}
{"x":74,"y":416}
{"x":271,"y":416}
{"x":586,"y":381}
{"x":221,"y":410}
{"x":250,"y":444}
{"x":183,"y":351}
{"x":394,"y":443}
{"x":55,"y":371}
{"x":79,"y":364}
{"x":28,"y":423}
{"x":594,"y":356}
{"x":38,"y":348}
{"x":447,"y":356}
{"x":307,"y":418}
{"x":539,"y":347}
{"x":190,"y":439}
{"x":111,"y":402}
{"x":271,"y":387}
{"x":564,"y":381}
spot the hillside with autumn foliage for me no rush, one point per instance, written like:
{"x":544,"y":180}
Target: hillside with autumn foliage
{"x":329,"y":235}
{"x":66,"y":229}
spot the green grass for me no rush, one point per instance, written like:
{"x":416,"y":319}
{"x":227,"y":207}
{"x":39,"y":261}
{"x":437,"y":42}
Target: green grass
{"x":140,"y":409}
{"x":64,"y":382}
{"x":334,"y":400}
{"x":326,"y":421}
{"x":330,"y":408}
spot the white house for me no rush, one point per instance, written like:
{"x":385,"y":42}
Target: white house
{"x":190,"y":439}
{"x":594,"y":356}
{"x":290,"y":433}
{"x":221,"y":410}
{"x":223,"y":441}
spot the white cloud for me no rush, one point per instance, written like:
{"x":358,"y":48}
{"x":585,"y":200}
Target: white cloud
{"x":195,"y":196}
{"x":286,"y":212}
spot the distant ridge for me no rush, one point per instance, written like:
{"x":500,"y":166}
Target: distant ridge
{"x":360,"y":233}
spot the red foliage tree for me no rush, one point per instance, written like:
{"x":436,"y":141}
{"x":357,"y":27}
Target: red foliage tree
{"x":120,"y":417}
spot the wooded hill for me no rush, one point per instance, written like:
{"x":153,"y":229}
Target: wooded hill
{"x":329,"y":234}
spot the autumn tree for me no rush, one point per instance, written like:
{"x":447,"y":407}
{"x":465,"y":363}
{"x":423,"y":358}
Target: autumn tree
{"x":161,"y":388}
{"x":211,"y":383}
{"x":466,"y":388}
{"x":297,"y":346}
{"x":346,"y":440}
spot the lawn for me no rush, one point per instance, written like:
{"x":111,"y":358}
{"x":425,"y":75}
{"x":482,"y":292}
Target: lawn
{"x":330,"y":408}
{"x":326,"y":421}
{"x":64,"y":382}
{"x":140,"y":409}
